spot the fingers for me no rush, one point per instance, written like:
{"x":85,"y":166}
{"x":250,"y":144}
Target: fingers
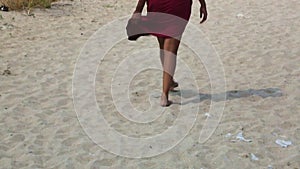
{"x":203,"y":13}
{"x":204,"y":18}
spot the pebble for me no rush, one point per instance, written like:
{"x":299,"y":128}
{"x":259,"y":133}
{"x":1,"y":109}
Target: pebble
{"x":6,"y":26}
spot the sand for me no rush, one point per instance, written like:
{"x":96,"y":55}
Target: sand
{"x":258,"y":44}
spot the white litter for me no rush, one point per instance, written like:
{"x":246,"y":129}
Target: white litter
{"x":240,"y":137}
{"x":207,"y":115}
{"x":270,"y":167}
{"x":91,"y":154}
{"x":240,"y":15}
{"x":283,"y":143}
{"x":228,"y":135}
{"x":253,"y":157}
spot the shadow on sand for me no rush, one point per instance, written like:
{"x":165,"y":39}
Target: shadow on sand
{"x":229,"y":95}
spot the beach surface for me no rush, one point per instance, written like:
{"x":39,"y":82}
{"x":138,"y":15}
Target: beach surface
{"x":257,"y":43}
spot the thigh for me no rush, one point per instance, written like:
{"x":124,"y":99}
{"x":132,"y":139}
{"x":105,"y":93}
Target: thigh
{"x":161,"y":42}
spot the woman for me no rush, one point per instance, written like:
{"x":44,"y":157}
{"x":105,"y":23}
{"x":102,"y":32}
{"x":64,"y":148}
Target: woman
{"x":169,"y":44}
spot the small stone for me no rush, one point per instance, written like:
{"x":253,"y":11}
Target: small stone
{"x":245,"y":156}
{"x":6,"y":72}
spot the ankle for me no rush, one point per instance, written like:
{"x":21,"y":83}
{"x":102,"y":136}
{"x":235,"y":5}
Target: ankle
{"x":165,"y":94}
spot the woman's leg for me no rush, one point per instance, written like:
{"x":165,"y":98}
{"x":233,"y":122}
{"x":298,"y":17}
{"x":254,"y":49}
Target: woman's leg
{"x":170,"y":49}
{"x":161,"y":42}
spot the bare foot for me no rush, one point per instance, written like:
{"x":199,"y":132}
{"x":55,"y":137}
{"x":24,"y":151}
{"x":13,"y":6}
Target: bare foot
{"x":173,"y":85}
{"x":164,"y":102}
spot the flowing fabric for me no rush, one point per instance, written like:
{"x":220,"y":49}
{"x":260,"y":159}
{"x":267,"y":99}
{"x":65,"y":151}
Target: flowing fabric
{"x":165,"y":18}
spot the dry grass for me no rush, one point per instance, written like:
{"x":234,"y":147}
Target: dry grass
{"x":26,"y":4}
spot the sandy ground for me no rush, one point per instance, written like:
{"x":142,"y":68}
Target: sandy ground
{"x":257,"y":41}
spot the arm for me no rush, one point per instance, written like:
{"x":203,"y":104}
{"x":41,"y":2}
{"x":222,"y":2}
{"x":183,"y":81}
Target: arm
{"x":138,"y":10}
{"x":140,"y":6}
{"x":202,"y":2}
{"x":203,"y":11}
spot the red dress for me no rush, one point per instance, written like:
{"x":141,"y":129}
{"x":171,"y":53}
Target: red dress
{"x":165,"y":18}
{"x":180,"y":8}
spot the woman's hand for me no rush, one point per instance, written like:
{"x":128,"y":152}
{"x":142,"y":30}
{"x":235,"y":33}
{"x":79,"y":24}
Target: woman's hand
{"x":139,"y":7}
{"x":203,"y":13}
{"x":138,"y":11}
